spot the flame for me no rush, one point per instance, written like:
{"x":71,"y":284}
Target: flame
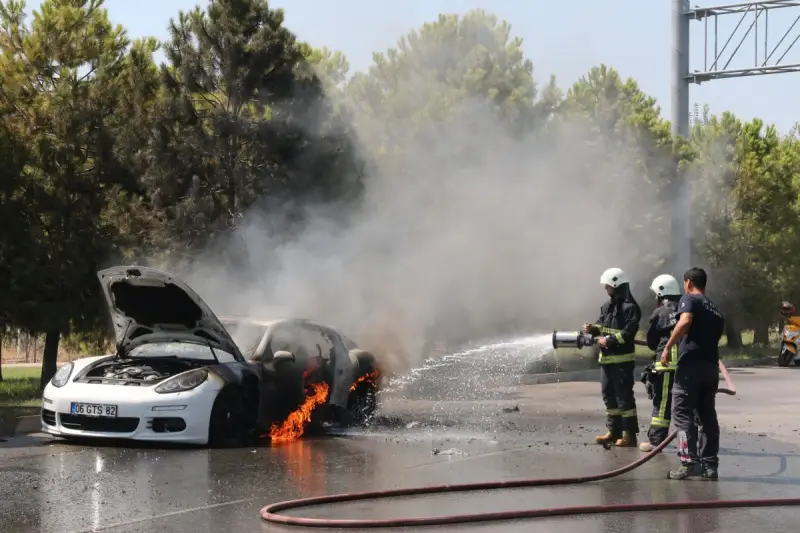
{"x":372,"y":377}
{"x":295,"y":424}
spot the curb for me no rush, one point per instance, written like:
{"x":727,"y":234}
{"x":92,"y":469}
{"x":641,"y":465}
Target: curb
{"x":593,"y":374}
{"x":20,"y":425}
{"x":28,"y":424}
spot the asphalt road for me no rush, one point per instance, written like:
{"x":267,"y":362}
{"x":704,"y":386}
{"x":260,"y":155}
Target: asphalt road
{"x":49,"y":486}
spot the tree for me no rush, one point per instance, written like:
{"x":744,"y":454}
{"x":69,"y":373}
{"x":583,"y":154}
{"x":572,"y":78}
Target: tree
{"x":332,"y":67}
{"x":434,"y":74}
{"x":239,"y":123}
{"x":14,"y":219}
{"x":60,"y":79}
{"x":746,"y":197}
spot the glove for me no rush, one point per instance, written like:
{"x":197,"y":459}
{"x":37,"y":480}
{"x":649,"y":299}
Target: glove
{"x":648,"y":385}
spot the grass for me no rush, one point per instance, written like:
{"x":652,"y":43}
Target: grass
{"x":20,"y":387}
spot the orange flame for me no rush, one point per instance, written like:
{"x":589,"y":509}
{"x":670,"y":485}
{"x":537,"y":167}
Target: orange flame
{"x":295,"y":424}
{"x":372,"y":377}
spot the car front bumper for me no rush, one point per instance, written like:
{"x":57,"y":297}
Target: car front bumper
{"x":142,"y":413}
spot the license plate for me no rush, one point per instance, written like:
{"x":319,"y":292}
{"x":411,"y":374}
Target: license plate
{"x":93,"y":409}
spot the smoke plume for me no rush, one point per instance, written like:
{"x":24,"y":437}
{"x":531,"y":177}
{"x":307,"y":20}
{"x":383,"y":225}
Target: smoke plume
{"x":472,"y":233}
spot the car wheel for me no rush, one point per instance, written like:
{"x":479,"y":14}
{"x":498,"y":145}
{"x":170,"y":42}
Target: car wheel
{"x":226,"y":425}
{"x":362,"y":402}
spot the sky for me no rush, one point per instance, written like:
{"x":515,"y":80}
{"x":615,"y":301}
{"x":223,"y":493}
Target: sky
{"x":566,"y":40}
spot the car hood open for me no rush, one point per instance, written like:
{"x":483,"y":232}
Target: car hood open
{"x":148,"y":306}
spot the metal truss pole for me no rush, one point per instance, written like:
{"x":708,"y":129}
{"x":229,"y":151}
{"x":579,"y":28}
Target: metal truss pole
{"x":681,"y":227}
{"x":767,"y":59}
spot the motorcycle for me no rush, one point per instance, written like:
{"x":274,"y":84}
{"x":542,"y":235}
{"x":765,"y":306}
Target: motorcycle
{"x":789,"y":336}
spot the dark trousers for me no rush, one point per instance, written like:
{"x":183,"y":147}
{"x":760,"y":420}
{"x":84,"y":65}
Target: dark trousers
{"x":662,"y":406}
{"x":694,"y":394}
{"x":616,"y":381}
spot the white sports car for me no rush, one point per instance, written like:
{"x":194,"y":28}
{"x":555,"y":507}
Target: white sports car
{"x":178,"y":375}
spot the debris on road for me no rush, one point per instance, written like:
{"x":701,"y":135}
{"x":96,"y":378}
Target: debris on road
{"x":449,"y":451}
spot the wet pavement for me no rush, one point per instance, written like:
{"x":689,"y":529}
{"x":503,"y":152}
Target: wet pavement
{"x":50,"y":486}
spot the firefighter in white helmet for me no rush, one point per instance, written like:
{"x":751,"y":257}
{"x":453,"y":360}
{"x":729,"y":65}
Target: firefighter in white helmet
{"x":657,"y":378}
{"x":615,"y":331}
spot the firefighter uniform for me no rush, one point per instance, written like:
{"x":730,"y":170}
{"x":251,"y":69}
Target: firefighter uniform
{"x":618,"y":323}
{"x":658,"y":379}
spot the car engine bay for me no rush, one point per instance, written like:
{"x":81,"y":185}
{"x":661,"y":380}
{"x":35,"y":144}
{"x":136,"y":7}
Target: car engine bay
{"x":135,"y":372}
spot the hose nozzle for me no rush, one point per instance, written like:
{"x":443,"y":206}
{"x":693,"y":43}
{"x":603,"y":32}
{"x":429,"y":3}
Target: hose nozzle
{"x":572,"y":339}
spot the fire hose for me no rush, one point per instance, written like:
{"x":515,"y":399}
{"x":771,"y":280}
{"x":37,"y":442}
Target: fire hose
{"x":270,"y":513}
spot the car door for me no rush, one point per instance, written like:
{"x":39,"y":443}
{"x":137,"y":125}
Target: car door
{"x":340,"y":366}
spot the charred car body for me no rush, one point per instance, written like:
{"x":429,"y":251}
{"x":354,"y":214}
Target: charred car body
{"x":179,"y":376}
{"x":291,"y":354}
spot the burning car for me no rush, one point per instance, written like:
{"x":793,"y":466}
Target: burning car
{"x":306,"y":369}
{"x":179,"y":376}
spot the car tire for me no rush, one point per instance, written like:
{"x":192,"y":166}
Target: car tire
{"x":226,"y":426}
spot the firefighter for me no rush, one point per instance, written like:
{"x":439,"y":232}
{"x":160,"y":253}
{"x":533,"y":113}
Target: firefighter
{"x":659,"y":378}
{"x":615,"y":331}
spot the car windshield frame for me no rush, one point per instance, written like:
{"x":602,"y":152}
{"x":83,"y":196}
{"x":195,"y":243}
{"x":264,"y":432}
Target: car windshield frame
{"x":172,"y":353}
{"x":236,"y":329}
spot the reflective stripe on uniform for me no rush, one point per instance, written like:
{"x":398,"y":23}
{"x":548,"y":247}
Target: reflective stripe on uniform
{"x":612,"y":359}
{"x":613,"y":412}
{"x":616,"y":333}
{"x":661,"y":420}
{"x":630,"y":413}
{"x":673,"y":361}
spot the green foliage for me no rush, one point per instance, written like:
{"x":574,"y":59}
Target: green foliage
{"x":108,"y":157}
{"x":435,"y":74}
{"x":61,"y":88}
{"x":232,"y":124}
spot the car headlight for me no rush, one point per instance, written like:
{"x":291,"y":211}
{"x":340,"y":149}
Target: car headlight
{"x":183,"y":382}
{"x":62,"y":375}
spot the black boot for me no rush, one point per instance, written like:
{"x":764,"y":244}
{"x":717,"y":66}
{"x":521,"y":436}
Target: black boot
{"x":686,"y":470}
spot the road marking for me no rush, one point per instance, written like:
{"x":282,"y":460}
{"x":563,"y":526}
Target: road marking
{"x":164,"y":515}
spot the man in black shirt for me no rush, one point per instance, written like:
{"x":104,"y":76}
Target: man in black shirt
{"x":699,"y":328}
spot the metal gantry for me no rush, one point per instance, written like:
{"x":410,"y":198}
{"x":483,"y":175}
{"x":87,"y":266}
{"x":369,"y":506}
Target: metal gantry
{"x":768,"y":57}
{"x":754,"y":16}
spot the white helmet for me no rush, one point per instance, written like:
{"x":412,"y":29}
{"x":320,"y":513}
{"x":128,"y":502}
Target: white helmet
{"x":665,"y":285}
{"x":614,"y":277}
